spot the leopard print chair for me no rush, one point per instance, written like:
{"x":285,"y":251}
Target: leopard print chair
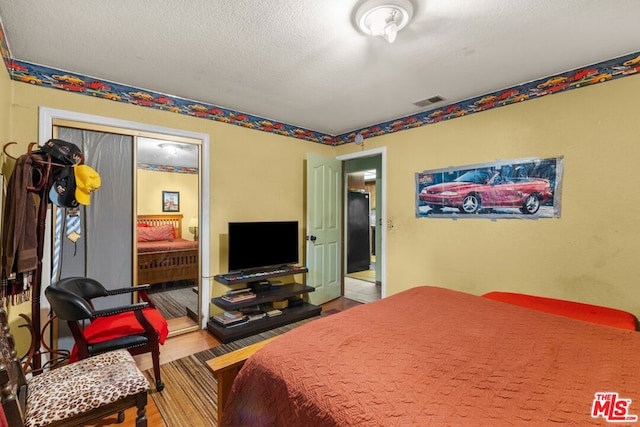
{"x":73,"y":394}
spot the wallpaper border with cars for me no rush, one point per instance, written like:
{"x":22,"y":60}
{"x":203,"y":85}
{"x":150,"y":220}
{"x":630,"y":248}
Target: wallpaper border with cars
{"x":34,"y":74}
{"x":528,"y":188}
{"x":167,"y":168}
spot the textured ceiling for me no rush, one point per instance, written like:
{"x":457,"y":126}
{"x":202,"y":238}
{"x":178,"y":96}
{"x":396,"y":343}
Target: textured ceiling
{"x":303,"y":63}
{"x":157,"y":152}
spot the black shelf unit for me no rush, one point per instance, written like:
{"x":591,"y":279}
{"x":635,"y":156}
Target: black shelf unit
{"x":289,"y":315}
{"x":276,"y":293}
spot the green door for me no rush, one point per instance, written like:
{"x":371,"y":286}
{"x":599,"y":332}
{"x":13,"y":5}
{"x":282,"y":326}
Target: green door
{"x":324,"y":207}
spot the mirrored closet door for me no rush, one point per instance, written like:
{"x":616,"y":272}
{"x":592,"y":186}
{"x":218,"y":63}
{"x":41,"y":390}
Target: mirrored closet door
{"x":143,"y":223}
{"x":167,"y":205}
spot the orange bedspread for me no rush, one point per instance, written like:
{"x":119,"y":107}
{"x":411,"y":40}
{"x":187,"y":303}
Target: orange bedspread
{"x":431,"y":356}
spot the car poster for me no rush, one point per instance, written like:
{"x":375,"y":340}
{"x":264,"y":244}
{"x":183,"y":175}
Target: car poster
{"x":522,"y":188}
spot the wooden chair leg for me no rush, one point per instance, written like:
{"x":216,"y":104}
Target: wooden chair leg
{"x":155,"y":355}
{"x":141,"y":415}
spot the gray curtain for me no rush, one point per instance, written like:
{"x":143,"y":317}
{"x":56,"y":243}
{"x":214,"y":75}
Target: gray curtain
{"x":105,"y":250}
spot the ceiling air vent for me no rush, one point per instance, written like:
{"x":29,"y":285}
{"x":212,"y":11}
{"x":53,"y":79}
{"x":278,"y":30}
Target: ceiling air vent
{"x":428,"y":101}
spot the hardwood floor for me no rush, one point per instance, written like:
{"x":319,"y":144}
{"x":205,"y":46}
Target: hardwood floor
{"x":340,"y":304}
{"x":361,"y":290}
{"x":178,"y":347}
{"x":181,"y":346}
{"x":178,"y":323}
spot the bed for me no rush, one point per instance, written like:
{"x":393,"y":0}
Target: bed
{"x":163,"y":255}
{"x":433,"y":356}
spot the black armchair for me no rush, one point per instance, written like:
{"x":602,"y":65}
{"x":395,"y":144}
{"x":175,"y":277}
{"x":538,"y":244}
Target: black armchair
{"x":139,"y":328}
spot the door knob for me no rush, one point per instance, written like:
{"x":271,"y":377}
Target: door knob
{"x":312,"y":238}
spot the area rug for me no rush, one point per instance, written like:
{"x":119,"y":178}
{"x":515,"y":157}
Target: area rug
{"x":172,"y":301}
{"x":190,"y":397}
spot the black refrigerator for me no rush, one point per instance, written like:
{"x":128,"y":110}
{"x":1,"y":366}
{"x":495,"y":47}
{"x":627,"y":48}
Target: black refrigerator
{"x":358,"y":232}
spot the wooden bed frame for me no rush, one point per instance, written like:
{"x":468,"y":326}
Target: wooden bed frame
{"x":166,"y":266}
{"x":225,"y":368}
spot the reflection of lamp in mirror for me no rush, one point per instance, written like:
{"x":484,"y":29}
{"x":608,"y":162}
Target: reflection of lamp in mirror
{"x":193,"y":227}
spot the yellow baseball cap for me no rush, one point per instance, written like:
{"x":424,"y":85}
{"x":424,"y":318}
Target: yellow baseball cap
{"x":87,"y":181}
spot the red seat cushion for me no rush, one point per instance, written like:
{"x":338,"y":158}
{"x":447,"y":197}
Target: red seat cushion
{"x":3,"y":418}
{"x":120,"y":325}
{"x":586,"y":312}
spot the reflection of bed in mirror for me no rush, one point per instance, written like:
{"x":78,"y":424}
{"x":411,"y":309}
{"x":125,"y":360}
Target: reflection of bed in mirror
{"x":163,"y":255}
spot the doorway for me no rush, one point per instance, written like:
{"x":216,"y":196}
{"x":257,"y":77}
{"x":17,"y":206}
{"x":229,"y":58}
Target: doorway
{"x":325,"y":241}
{"x":360,"y":282}
{"x":364,"y":236}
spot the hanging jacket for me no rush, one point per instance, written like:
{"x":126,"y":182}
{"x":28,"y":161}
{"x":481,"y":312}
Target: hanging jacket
{"x":19,"y":243}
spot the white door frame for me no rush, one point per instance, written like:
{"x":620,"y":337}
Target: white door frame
{"x":45,"y":129}
{"x":382,"y":220}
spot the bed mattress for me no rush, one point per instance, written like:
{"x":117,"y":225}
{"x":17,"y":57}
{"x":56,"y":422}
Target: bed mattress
{"x":432,"y":356}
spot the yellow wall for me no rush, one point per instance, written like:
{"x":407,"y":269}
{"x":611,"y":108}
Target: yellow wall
{"x":253,"y":175}
{"x":5,"y":103}
{"x":21,"y":334}
{"x":151,"y":184}
{"x":265,"y":181}
{"x":590,"y":254}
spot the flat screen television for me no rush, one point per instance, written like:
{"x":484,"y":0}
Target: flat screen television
{"x":255,"y":245}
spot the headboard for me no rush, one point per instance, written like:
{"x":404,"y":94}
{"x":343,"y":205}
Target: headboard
{"x":156,"y":220}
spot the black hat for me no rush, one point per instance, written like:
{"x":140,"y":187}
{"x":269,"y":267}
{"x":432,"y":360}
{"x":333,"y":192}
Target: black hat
{"x":63,"y":190}
{"x":64,"y":151}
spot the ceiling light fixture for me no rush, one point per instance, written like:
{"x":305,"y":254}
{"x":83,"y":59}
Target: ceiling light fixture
{"x":384,"y":18}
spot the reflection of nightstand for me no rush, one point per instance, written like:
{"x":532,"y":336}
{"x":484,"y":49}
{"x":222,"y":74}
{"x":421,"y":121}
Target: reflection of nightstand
{"x":193,"y":227}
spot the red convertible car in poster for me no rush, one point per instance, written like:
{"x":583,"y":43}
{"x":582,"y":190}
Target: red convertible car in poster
{"x":484,"y":189}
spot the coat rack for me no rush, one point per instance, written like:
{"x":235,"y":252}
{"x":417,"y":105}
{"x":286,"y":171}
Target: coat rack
{"x":47,"y":170}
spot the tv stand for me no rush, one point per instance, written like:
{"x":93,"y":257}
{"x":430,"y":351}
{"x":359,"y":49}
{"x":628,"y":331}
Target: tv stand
{"x":275,"y":293}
